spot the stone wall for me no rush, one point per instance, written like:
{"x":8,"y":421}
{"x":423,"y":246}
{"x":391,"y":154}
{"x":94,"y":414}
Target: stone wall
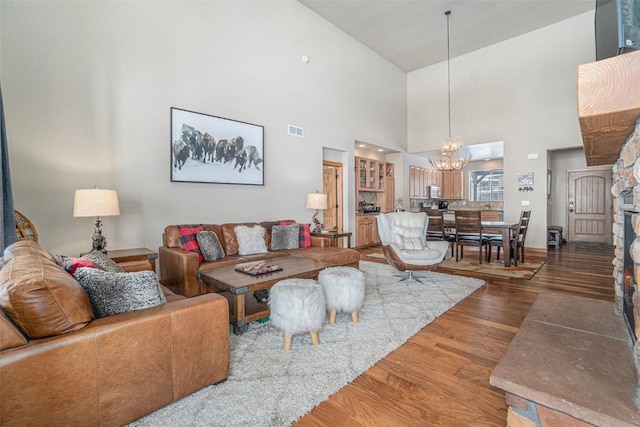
{"x":626,"y":175}
{"x":626,"y":193}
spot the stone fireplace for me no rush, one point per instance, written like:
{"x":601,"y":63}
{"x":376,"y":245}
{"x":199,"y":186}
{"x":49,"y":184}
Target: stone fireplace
{"x":626,"y":234}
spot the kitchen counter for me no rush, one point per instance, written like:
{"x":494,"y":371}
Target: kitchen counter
{"x":466,"y":209}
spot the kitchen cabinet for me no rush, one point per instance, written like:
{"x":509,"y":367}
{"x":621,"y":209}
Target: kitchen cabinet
{"x":367,"y":171}
{"x":453,"y":185}
{"x":413,"y":178}
{"x":376,"y":177}
{"x":389,"y":196}
{"x":420,"y":179}
{"x":370,"y":174}
{"x":367,"y":230}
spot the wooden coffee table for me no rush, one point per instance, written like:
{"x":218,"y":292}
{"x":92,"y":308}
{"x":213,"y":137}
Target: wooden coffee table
{"x":235,"y":286}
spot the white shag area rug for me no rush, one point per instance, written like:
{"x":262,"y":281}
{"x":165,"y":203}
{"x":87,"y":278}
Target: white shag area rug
{"x":269,"y":386}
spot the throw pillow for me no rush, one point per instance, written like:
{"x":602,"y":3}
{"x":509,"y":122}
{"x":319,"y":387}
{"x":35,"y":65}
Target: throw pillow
{"x":304,"y":236}
{"x":113,"y":293}
{"x":189,"y":239}
{"x":250,"y":239}
{"x":41,"y":298}
{"x":284,"y":237}
{"x":103,"y":261}
{"x":210,"y":245}
{"x":23,"y":247}
{"x":71,"y":264}
{"x":407,"y":231}
{"x":410,"y":243}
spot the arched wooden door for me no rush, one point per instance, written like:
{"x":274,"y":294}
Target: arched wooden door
{"x":332,"y":187}
{"x":589,"y":206}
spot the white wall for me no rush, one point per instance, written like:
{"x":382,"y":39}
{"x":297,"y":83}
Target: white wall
{"x":88,"y":88}
{"x":521,"y":91}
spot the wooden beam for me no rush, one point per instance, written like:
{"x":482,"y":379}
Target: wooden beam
{"x":608,"y":105}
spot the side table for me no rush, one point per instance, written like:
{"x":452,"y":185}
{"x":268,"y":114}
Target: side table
{"x":136,"y":259}
{"x":334,"y":237}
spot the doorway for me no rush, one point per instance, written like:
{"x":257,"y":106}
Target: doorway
{"x":589,"y":205}
{"x":332,"y":180}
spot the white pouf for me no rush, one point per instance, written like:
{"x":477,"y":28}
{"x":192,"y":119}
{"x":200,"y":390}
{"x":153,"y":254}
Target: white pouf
{"x":343,"y":289}
{"x":297,"y":306}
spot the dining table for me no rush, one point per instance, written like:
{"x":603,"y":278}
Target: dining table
{"x":506,"y":229}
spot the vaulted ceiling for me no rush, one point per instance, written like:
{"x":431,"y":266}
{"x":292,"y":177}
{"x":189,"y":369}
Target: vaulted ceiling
{"x":412,"y":34}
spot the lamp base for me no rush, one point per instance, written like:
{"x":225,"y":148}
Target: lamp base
{"x":318,"y":226}
{"x":99,"y":241}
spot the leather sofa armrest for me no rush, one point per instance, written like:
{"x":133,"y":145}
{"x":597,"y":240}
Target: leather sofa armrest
{"x":178,"y":269}
{"x":118,"y":368}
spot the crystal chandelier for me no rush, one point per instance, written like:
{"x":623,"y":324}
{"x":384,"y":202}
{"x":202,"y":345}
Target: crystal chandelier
{"x":449,"y":147}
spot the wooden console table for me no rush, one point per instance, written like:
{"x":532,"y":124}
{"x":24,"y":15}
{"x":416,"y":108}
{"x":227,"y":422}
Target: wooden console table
{"x":334,"y":238}
{"x":135,"y":259}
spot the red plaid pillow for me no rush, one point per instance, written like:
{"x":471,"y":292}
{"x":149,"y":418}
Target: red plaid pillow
{"x":304,"y":236}
{"x":188,"y":239}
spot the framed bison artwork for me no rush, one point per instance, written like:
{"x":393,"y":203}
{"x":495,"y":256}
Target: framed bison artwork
{"x":212,"y":149}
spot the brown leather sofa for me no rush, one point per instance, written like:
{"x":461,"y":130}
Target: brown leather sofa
{"x":178,"y":267}
{"x":102,"y":372}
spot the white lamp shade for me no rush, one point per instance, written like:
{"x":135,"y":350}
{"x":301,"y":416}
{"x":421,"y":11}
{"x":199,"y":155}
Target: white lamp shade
{"x":317,"y":201}
{"x":96,"y":202}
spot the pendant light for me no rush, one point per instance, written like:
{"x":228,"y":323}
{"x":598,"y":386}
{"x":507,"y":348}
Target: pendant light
{"x":449,"y":147}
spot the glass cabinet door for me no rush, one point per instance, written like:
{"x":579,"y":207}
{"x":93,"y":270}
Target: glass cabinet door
{"x":372,"y":174}
{"x":381,"y":174}
{"x":362,"y":173}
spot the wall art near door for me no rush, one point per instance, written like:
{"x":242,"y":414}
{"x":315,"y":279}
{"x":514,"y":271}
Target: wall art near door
{"x":212,"y":149}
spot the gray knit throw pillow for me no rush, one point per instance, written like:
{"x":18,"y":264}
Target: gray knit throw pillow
{"x":114,"y":293}
{"x":284,"y":237}
{"x":210,"y":245}
{"x":103,"y":261}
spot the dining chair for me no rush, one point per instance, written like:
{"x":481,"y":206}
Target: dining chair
{"x":469,"y":233}
{"x":436,"y":229}
{"x":521,"y":234}
{"x":516,"y":242}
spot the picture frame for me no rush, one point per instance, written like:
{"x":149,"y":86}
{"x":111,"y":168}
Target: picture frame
{"x":215,"y":150}
{"x":525,"y":178}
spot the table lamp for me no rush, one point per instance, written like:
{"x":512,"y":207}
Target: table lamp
{"x":317,"y":201}
{"x":96,"y":203}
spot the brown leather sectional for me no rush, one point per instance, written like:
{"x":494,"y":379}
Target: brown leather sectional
{"x":178,"y":267}
{"x":102,"y":372}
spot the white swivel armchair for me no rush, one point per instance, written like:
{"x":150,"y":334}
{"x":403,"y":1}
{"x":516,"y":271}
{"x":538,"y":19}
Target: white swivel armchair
{"x":404,"y":245}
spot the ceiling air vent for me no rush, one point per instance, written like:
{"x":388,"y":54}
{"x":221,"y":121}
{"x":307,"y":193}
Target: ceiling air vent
{"x":296,"y":131}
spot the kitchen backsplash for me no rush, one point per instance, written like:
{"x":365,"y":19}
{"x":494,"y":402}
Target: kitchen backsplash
{"x":367,"y":197}
{"x":459,"y":204}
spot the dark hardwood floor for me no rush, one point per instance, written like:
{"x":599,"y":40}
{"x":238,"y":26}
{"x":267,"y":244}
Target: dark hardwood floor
{"x":440,"y":377}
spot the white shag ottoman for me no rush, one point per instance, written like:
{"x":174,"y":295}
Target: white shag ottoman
{"x":297,"y":306}
{"x":343,"y":289}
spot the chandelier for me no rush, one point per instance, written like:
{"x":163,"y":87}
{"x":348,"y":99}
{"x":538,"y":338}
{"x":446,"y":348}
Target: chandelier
{"x":449,"y":147}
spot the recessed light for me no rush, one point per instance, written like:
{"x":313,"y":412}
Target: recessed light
{"x":380,"y":149}
{"x":362,"y":145}
{"x":486,"y":160}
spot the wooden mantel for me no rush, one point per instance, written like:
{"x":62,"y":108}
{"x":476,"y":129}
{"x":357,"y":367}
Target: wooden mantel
{"x":608,"y":105}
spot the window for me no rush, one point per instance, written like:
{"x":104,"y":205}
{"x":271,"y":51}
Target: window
{"x":486,"y":186}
